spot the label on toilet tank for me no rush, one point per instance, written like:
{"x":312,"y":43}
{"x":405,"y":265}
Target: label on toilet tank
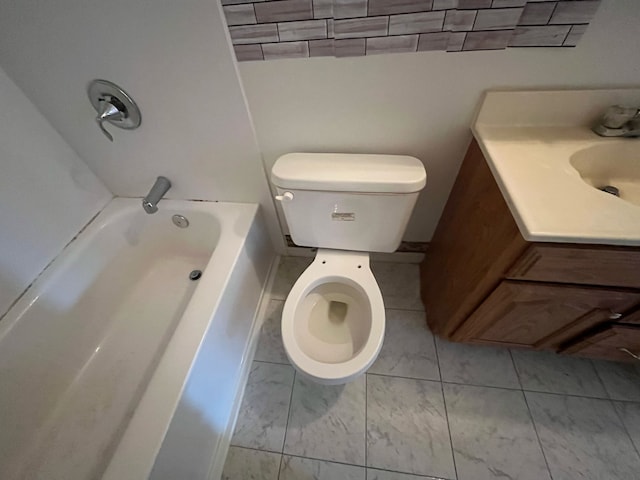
{"x":343,"y":217}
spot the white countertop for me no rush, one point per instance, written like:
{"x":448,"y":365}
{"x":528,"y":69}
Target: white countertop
{"x":529,"y":156}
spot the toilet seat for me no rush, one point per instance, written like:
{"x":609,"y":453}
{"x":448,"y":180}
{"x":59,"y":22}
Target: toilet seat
{"x":333,"y":320}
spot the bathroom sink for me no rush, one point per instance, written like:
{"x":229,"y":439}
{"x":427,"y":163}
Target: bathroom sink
{"x":611,"y":167}
{"x":550,"y":166}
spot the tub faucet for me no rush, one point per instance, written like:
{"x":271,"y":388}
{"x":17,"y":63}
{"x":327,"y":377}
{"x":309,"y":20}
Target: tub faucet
{"x":150,"y":202}
{"x":618,"y":121}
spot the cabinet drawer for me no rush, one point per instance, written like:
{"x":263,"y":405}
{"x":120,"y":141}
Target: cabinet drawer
{"x":607,"y":266}
{"x":617,"y":342}
{"x":543,"y":315}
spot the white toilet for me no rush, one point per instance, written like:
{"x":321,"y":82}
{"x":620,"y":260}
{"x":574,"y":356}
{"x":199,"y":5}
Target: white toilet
{"x":347,"y":205}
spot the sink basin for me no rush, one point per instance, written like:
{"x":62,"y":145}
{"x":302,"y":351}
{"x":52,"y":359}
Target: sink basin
{"x":611,"y":165}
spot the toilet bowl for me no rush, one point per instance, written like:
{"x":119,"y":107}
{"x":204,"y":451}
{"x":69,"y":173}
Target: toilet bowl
{"x":333,"y":320}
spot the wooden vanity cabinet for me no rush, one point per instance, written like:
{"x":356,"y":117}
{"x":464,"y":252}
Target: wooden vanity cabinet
{"x":481,"y":282}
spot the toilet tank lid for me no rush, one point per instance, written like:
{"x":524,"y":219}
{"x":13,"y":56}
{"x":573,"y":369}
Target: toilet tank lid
{"x":349,"y":172}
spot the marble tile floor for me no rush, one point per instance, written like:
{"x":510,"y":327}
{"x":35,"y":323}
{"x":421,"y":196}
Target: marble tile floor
{"x":431,"y":409}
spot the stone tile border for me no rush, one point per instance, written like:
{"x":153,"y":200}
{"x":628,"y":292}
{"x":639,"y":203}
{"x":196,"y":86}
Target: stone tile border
{"x":275,"y":29}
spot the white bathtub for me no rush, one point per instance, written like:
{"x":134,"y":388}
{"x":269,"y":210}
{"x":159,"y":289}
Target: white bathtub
{"x":95,"y":358}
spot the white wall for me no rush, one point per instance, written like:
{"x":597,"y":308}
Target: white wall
{"x":422,"y":103}
{"x":174,"y":59}
{"x":47,"y":194}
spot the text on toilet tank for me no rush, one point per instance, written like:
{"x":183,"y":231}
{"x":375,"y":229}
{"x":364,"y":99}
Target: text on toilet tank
{"x":343,"y":217}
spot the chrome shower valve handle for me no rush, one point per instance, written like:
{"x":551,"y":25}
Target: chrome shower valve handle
{"x":113,"y":105}
{"x":108,"y":112}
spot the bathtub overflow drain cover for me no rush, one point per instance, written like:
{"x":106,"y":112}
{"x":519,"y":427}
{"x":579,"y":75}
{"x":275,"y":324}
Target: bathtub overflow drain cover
{"x":180,"y":221}
{"x":195,"y":274}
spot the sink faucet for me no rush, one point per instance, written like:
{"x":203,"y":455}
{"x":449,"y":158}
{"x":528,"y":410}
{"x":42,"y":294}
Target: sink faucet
{"x":150,"y":202}
{"x":619,"y":121}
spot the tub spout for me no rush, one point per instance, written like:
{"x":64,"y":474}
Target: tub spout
{"x":150,"y":202}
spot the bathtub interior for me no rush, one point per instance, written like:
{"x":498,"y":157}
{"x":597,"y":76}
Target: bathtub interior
{"x":77,"y":351}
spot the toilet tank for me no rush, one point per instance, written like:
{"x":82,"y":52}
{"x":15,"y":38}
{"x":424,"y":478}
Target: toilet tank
{"x":348,"y":201}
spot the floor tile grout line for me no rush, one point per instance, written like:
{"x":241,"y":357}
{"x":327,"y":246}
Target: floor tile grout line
{"x":477,"y":385}
{"x":405,"y":309}
{"x":428,"y":477}
{"x":345,"y":463}
{"x":286,"y":427}
{"x":366,"y":421}
{"x":446,"y":411}
{"x":435,"y":349}
{"x":624,"y":426}
{"x":515,"y":368}
{"x":328,"y":461}
{"x":342,"y":463}
{"x":499,"y":388}
{"x":609,"y":396}
{"x":535,"y":429}
{"x":533,"y":423}
{"x":591,"y":397}
{"x":280,"y":465}
{"x":637,"y":402}
{"x":274,"y":363}
{"x":604,"y":387}
{"x":256,"y":449}
{"x":615,"y":409}
{"x":406,"y":378}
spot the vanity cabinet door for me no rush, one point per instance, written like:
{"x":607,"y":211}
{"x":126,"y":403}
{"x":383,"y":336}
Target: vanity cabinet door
{"x":542,"y":315}
{"x":579,"y":264}
{"x":616,"y":342}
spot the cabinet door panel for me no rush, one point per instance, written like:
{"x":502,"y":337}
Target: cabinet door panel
{"x":617,"y":342}
{"x":632,"y":318}
{"x":542,"y":315}
{"x":588,"y":265}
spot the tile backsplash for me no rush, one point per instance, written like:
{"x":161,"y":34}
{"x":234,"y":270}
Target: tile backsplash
{"x":273,"y":29}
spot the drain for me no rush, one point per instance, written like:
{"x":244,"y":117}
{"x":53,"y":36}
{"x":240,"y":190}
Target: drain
{"x":180,"y":221}
{"x":337,"y":311}
{"x":611,"y":189}
{"x":195,"y":275}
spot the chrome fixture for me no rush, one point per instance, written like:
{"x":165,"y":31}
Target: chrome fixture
{"x":150,"y":202}
{"x":610,"y":189}
{"x":619,"y":121}
{"x":114,"y":106}
{"x":628,"y":352}
{"x":180,"y":221}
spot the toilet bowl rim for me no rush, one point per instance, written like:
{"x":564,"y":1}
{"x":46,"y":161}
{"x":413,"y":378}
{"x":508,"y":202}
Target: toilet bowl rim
{"x":364,"y":280}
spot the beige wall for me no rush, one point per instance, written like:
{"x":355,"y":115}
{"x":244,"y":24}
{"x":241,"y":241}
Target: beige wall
{"x":422,"y":103}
